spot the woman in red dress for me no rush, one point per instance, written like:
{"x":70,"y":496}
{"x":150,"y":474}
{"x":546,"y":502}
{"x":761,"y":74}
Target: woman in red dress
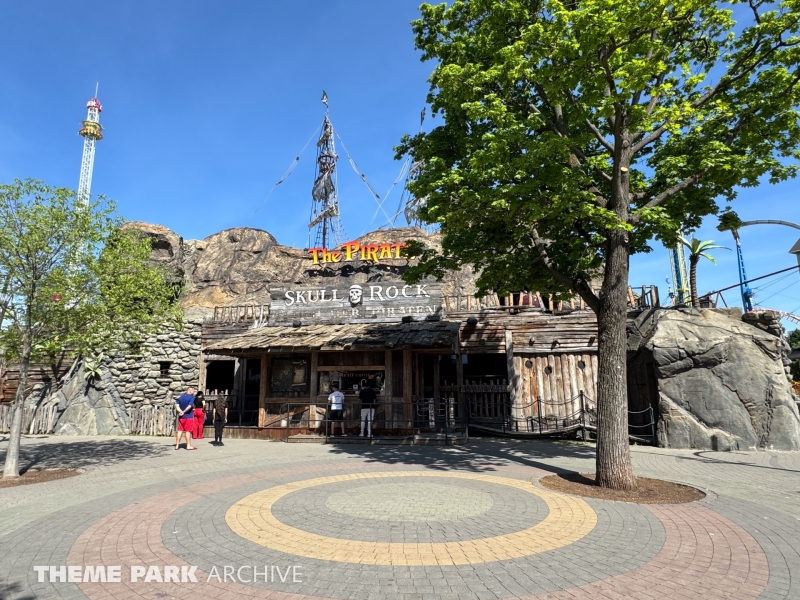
{"x":199,"y":415}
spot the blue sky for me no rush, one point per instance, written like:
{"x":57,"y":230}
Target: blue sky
{"x":207,"y":103}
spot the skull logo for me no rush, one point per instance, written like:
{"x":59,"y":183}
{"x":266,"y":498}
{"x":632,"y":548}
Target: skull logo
{"x":356,"y":294}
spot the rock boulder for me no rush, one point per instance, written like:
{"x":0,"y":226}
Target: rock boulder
{"x":90,"y":408}
{"x":721,"y":381}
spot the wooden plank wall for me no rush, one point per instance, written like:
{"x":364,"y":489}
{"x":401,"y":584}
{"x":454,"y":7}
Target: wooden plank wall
{"x":39,"y":373}
{"x":215,"y":332}
{"x":559,"y":390}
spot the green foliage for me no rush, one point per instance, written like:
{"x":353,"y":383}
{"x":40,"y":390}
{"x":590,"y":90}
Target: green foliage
{"x":698,"y":249}
{"x":564,"y":123}
{"x":92,"y":366}
{"x":75,"y":282}
{"x":794,"y":342}
{"x":794,"y":339}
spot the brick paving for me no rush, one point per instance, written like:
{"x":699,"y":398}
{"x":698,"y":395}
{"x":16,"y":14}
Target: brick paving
{"x":396,"y":522}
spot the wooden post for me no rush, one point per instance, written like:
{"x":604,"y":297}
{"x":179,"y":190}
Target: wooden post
{"x":262,"y":390}
{"x":201,"y":373}
{"x":436,"y":392}
{"x":408,"y":382}
{"x":313,"y":390}
{"x":513,"y":376}
{"x":388,"y":392}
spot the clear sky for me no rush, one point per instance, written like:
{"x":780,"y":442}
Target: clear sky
{"x":206,"y":104}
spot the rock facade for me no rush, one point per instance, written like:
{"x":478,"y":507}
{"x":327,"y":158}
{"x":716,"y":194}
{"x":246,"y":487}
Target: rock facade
{"x":721,"y":379}
{"x":90,"y":407}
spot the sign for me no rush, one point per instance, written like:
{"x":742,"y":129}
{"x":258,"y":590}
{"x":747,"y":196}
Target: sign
{"x":383,"y":300}
{"x":357,"y":251}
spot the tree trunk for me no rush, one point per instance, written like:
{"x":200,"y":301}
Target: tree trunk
{"x":613,"y":466}
{"x":693,"y":260}
{"x":11,"y":468}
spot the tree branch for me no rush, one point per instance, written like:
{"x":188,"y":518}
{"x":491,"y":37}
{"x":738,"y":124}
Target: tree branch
{"x":678,"y":187}
{"x":577,"y":284}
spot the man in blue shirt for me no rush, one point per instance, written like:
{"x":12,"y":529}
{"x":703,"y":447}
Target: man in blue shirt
{"x":184,"y":406}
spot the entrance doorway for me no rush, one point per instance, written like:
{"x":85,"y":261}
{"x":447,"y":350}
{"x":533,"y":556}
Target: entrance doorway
{"x":220,"y":376}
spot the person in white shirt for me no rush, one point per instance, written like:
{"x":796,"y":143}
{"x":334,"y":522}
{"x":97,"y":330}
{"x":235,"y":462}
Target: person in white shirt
{"x":336,"y":400}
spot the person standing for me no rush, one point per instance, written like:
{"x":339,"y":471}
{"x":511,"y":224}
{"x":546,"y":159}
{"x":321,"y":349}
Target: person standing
{"x":220,"y":418}
{"x":368,"y":402}
{"x":184,"y":406}
{"x":199,"y":415}
{"x":336,"y":400}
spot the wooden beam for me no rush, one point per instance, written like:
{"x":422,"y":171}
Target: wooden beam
{"x":201,"y":374}
{"x":262,"y":390}
{"x":313,"y":386}
{"x":436,"y":376}
{"x":513,"y":376}
{"x":323,"y":368}
{"x":408,"y":382}
{"x":388,"y":377}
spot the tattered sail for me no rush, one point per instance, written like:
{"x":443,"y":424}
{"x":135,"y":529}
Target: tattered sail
{"x":325,"y":201}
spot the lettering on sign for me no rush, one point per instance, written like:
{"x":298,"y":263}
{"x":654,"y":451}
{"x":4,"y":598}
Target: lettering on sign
{"x":357,"y":251}
{"x":358,"y":301}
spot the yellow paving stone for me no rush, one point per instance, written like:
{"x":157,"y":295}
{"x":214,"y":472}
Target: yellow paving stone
{"x":569,"y":519}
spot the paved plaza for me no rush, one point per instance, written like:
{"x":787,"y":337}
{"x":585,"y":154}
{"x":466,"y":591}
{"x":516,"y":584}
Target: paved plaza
{"x":393,"y":522}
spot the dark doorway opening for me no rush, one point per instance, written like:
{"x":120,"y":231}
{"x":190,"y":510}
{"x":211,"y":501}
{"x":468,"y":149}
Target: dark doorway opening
{"x":219,"y":376}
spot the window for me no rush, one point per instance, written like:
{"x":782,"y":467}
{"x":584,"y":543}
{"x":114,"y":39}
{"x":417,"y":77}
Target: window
{"x":164,"y":367}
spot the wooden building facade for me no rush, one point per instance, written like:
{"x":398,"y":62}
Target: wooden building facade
{"x":432,"y":360}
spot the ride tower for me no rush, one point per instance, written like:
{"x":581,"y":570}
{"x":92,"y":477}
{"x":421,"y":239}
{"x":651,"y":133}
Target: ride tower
{"x":328,"y":229}
{"x":91,"y":132}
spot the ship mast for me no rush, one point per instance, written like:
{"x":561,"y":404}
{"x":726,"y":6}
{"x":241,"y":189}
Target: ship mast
{"x":325,"y":226}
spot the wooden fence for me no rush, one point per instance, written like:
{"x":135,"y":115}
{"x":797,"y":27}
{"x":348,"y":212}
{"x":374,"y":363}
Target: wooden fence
{"x":35,"y":420}
{"x":484,"y":400}
{"x":153,"y":420}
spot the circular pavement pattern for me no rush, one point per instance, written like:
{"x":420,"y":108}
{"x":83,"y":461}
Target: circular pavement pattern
{"x":569,"y":519}
{"x":410,"y":502}
{"x":380,"y":531}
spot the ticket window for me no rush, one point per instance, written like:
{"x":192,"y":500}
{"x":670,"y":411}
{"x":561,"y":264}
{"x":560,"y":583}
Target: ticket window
{"x":351,"y":382}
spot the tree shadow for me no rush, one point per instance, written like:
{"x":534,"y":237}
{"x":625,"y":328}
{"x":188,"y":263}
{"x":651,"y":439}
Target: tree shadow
{"x":477,"y":455}
{"x":86,"y":453}
{"x":13,"y":591}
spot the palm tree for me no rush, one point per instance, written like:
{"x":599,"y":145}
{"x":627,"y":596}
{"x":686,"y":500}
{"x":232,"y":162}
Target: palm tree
{"x":698,"y":249}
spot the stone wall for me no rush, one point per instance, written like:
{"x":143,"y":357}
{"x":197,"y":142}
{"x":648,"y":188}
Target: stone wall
{"x":138,"y":375}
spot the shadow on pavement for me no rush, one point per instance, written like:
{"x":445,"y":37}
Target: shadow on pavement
{"x":477,"y":455}
{"x":85,"y":453}
{"x":13,"y":591}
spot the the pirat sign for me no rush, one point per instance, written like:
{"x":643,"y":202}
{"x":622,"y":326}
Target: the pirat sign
{"x":384,"y":300}
{"x":357,"y":251}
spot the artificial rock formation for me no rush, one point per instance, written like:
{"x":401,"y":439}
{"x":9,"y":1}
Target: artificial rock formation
{"x":721,"y":382}
{"x":90,"y":407}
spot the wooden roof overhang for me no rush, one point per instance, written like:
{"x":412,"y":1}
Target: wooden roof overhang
{"x":352,"y":336}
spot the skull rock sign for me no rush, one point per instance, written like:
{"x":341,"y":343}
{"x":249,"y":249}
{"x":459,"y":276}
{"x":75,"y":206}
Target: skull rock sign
{"x":385,"y":301}
{"x":356,"y":294}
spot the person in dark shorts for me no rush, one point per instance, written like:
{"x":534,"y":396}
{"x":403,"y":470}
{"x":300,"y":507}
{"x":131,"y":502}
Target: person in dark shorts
{"x":368,"y":403}
{"x":336,"y":400}
{"x":220,"y":418}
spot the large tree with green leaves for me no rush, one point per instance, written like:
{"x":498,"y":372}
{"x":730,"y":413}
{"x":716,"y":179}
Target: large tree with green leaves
{"x":74,"y":283}
{"x":574,"y":133}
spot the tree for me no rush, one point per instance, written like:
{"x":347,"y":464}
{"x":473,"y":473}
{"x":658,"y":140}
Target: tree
{"x":74,"y":283}
{"x":794,"y":342}
{"x":698,"y":250}
{"x":573,"y":133}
